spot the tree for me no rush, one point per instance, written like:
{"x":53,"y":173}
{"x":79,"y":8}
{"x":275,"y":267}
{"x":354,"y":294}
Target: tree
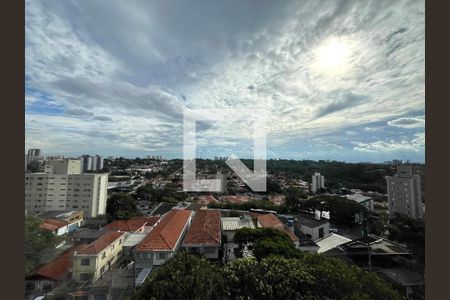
{"x":308,"y":277}
{"x":411,"y":232}
{"x":183,"y":277}
{"x":342,"y":210}
{"x":294,"y":197}
{"x":266,"y":242}
{"x":121,"y":206}
{"x":37,"y":241}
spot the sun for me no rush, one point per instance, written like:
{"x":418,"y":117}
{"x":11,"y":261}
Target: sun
{"x":333,"y":56}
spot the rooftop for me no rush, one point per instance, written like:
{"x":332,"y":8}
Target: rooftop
{"x":58,"y":268}
{"x":205,"y":229}
{"x":271,"y":221}
{"x":101,"y":243}
{"x":162,"y":209}
{"x":151,"y":220}
{"x":56,"y":214}
{"x":234,"y":223}
{"x":133,"y":239}
{"x":331,"y":241}
{"x":52,"y":224}
{"x":206,"y":199}
{"x":308,"y":220}
{"x":126,"y":225}
{"x":166,"y":234}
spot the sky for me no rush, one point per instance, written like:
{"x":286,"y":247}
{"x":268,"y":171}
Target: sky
{"x":337,"y":80}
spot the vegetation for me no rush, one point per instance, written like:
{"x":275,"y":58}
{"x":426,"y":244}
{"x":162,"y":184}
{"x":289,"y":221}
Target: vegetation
{"x":341,"y":209}
{"x":262,"y":204}
{"x":167,"y":194}
{"x":311,"y":276}
{"x":37,"y":242}
{"x":121,"y":206}
{"x":294,"y":198}
{"x":411,"y":232}
{"x":266,"y":242}
{"x":184,"y":277}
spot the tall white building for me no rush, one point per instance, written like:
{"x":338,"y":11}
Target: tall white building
{"x":404,"y":193}
{"x":62,"y":186}
{"x":318,"y":182}
{"x":91,"y":163}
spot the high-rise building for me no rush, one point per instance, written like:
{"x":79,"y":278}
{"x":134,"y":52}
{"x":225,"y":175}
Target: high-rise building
{"x":62,"y":186}
{"x":318,"y":182}
{"x":34,"y":157}
{"x":91,"y":163}
{"x":404,"y":193}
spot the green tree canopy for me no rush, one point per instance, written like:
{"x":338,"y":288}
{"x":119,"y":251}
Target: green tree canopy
{"x":342,"y":210}
{"x":184,"y":277}
{"x":37,"y":241}
{"x":121,"y":206}
{"x":312,"y":276}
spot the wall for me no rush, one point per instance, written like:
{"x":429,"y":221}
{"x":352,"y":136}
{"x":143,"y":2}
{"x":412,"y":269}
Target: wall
{"x":112,"y":253}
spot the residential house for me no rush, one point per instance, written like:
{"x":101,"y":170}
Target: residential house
{"x":271,"y":221}
{"x":162,"y":242}
{"x":231,"y":224}
{"x":58,"y":227}
{"x":151,"y":222}
{"x":136,"y":226}
{"x":204,"y":235}
{"x":73,"y":218}
{"x":92,"y":261}
{"x":313,"y":228}
{"x":48,"y":276}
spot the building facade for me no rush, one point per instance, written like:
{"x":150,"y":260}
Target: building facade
{"x":317,"y":183}
{"x":62,"y":186}
{"x":91,"y":163}
{"x":92,"y":261}
{"x":161,"y":243}
{"x":404,"y":193}
{"x":204,"y":235}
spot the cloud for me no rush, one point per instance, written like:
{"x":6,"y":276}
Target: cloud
{"x":146,"y":61}
{"x":78,"y":112}
{"x":103,"y":118}
{"x":407,"y":122}
{"x":417,"y":144}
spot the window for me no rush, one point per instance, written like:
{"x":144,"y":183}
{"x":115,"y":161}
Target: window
{"x":85,"y":262}
{"x":320,"y":232}
{"x":85,"y":276}
{"x":163,"y":255}
{"x":104,"y":255}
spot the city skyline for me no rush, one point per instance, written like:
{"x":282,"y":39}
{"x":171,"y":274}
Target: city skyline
{"x":343,"y":83}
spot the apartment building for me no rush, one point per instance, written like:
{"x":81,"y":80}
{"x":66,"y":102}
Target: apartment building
{"x":62,"y":186}
{"x":94,"y":260}
{"x":91,"y":163}
{"x":318,"y":182}
{"x":404,"y":193}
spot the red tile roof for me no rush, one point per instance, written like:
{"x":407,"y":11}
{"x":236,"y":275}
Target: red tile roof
{"x":151,"y":221}
{"x":58,"y":269}
{"x":271,"y":221}
{"x":166,"y":234}
{"x":52,"y":224}
{"x":126,"y":225}
{"x":101,"y":243}
{"x":205,"y":229}
{"x":206,"y":199}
